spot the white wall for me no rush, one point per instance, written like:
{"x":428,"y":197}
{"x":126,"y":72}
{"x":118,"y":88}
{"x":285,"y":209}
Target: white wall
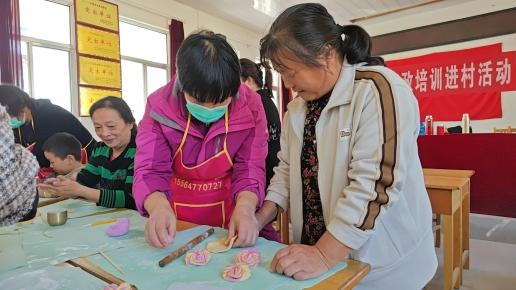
{"x":442,"y":12}
{"x":431,"y":14}
{"x":157,"y":13}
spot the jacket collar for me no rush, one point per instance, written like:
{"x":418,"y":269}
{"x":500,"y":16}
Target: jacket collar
{"x":342,"y":94}
{"x":343,"y":90}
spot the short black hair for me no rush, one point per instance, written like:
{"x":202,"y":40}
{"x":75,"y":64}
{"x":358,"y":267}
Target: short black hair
{"x":14,"y":99}
{"x":117,"y":104}
{"x":63,"y":144}
{"x":207,"y":67}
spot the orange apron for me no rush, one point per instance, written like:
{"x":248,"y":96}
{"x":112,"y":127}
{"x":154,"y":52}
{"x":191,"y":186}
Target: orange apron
{"x":202,"y":194}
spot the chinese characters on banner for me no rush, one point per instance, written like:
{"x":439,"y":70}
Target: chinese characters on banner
{"x":448,"y":84}
{"x":98,"y":50}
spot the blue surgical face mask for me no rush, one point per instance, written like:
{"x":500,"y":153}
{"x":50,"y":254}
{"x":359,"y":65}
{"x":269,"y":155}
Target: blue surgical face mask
{"x":205,"y":115}
{"x":15,"y":123}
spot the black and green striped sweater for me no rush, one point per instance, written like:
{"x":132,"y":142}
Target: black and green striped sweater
{"x":114,"y":177}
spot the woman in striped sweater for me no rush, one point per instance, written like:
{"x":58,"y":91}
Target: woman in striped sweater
{"x":108,"y":177}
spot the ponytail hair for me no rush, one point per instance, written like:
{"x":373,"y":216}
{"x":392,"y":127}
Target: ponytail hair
{"x":268,"y":77}
{"x":307,"y":31}
{"x":250,"y":69}
{"x":356,"y":45}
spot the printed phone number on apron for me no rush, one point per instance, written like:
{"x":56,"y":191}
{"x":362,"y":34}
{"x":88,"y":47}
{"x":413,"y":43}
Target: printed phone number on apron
{"x":208,"y":186}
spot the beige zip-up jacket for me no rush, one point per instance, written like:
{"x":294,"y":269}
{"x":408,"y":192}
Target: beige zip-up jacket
{"x":370,"y":178}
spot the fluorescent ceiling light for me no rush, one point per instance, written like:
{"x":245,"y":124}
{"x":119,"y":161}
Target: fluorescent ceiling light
{"x":264,"y":6}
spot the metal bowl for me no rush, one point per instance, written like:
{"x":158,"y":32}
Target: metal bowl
{"x":57,"y":218}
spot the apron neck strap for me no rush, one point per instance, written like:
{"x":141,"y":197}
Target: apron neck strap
{"x":226,"y":127}
{"x":186,"y":130}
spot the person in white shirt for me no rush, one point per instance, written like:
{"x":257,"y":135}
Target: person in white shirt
{"x":349,"y":168}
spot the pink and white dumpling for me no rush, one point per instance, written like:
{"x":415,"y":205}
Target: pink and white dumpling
{"x":199,"y":257}
{"x":236,"y":272}
{"x":250,"y":257}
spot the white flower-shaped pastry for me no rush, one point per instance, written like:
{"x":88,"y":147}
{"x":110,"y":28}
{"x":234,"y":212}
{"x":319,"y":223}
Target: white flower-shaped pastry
{"x":236,"y":272}
{"x":199,"y":257}
{"x":251,"y":257}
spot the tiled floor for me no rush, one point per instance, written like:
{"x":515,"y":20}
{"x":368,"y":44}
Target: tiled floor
{"x":493,"y":228}
{"x":493,"y":256}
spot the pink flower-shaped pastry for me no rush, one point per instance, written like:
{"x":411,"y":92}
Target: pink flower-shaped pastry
{"x":236,"y":272}
{"x":250,"y":257}
{"x":197,"y":257}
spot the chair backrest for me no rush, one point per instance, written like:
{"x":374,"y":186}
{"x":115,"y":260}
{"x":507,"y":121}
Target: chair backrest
{"x":283,"y":222}
{"x":504,"y":130}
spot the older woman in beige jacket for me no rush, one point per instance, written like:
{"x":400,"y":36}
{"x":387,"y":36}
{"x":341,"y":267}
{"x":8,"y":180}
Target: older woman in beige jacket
{"x":18,"y":168}
{"x":349,"y":168}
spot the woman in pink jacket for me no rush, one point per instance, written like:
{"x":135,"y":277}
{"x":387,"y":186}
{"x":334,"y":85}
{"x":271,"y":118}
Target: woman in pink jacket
{"x":201,"y":147}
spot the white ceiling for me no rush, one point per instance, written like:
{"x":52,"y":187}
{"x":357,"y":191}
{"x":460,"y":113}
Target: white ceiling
{"x":241,"y":12}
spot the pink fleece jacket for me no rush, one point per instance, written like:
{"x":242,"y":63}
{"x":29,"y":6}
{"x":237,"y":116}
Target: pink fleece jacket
{"x":161,"y":130}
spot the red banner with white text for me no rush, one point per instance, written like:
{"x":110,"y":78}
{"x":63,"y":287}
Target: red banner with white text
{"x":449,"y":84}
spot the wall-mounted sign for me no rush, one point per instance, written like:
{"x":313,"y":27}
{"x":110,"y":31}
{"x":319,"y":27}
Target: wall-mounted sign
{"x":99,"y":73}
{"x":98,"y":13}
{"x":88,"y":96}
{"x":96,"y":42}
{"x":98,"y":51}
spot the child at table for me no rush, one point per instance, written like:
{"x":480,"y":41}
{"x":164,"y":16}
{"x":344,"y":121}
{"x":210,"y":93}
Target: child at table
{"x":63,"y":151}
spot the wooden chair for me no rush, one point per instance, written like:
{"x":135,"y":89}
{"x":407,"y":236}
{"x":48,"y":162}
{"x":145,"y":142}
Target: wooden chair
{"x":436,"y":228}
{"x":504,"y":130}
{"x":282,"y":227}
